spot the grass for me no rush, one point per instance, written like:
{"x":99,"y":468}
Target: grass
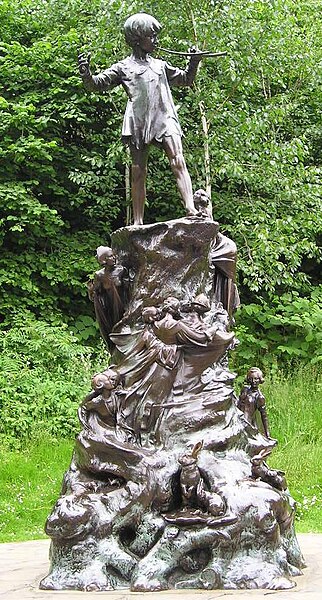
{"x":294,"y":406}
{"x":31,"y":477}
{"x":30,"y":484}
{"x":301,"y":464}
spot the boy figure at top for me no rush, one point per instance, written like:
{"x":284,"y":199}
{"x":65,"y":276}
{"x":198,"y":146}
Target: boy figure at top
{"x":150,"y":116}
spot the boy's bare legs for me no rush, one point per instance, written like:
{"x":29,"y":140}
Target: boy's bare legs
{"x":139,"y":172}
{"x":173,"y":148}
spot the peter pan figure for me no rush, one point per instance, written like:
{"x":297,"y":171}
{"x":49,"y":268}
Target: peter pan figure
{"x":150,"y":116}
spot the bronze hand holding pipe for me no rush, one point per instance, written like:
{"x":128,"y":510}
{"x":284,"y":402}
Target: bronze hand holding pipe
{"x":198,"y":53}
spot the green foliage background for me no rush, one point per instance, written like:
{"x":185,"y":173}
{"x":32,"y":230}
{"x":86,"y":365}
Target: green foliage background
{"x":62,"y":180}
{"x":63,"y":165}
{"x":62,"y":191}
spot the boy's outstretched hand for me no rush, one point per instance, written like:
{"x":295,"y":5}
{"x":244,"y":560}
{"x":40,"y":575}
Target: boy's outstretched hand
{"x":83,"y":64}
{"x":195,"y":54}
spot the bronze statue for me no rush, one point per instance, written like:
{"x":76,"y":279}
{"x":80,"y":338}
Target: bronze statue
{"x":109,"y":291}
{"x":145,"y":504}
{"x":223,"y":258}
{"x":102,"y":410}
{"x":194,"y":489}
{"x":102,"y":384}
{"x":191,"y":331}
{"x":150,"y":116}
{"x":251,"y":399}
{"x":202,"y":203}
{"x":260,"y":470}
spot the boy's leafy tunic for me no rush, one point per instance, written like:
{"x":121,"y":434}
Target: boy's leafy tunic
{"x":150,"y":113}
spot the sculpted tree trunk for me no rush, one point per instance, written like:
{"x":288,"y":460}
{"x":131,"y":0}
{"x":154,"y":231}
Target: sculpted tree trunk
{"x":167,"y":487}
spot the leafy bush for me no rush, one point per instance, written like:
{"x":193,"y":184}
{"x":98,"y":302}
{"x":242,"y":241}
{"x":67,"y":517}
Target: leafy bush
{"x":44,"y":374}
{"x":63,"y":167}
{"x":283,"y":332}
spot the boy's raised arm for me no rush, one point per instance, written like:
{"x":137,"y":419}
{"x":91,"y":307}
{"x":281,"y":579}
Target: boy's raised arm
{"x":103,"y":81}
{"x":186,"y":77}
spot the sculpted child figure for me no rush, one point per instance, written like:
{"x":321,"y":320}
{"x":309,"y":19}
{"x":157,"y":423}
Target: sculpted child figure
{"x":252,"y":400}
{"x":102,"y":408}
{"x":150,"y":116}
{"x":109,"y":291}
